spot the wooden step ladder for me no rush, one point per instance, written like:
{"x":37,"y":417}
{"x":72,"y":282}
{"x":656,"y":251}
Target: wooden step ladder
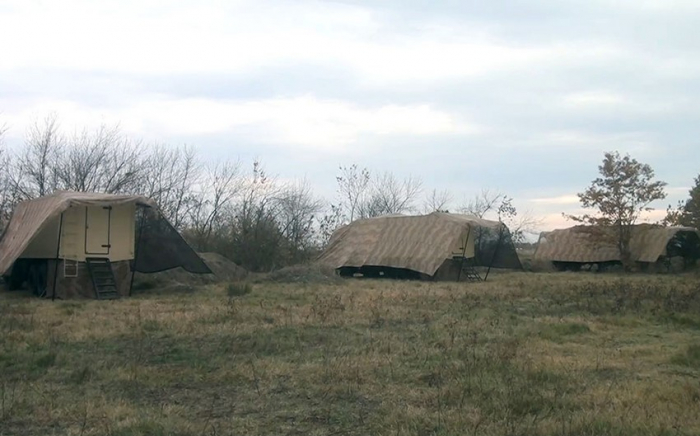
{"x":103,"y":281}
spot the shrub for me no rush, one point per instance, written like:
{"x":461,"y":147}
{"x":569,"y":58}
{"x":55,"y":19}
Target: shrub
{"x":46,"y":360}
{"x":237,"y":289}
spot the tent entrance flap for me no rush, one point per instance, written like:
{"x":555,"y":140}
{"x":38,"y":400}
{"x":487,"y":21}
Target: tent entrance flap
{"x":98,"y":221}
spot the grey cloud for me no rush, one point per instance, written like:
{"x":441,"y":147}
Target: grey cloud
{"x":656,"y":68}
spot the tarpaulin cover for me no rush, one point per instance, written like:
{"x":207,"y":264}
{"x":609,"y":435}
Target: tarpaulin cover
{"x":420,"y":243}
{"x":584,"y":244}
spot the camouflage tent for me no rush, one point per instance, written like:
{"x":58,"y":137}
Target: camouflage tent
{"x":50,"y":242}
{"x":585,"y":244}
{"x":426,"y":245}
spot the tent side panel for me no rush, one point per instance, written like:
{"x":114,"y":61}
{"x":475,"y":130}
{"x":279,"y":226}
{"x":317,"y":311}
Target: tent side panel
{"x":122,"y":232}
{"x":43,"y":245}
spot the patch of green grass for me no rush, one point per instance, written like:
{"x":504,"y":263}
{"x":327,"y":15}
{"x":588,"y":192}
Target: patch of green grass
{"x":690,"y":357}
{"x":151,"y":325}
{"x":535,"y":354}
{"x":559,"y":332}
{"x":685,"y":321}
{"x":46,"y":360}
{"x":71,"y":307}
{"x":82,"y":375}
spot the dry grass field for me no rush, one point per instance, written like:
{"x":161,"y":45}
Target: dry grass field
{"x":523,"y":354}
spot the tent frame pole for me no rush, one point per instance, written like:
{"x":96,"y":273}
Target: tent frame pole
{"x":495,"y":251}
{"x":58,"y":253}
{"x":136,"y":251}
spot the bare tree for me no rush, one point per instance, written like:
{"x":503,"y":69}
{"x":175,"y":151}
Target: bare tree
{"x":35,"y":170}
{"x":329,"y":223}
{"x":257,"y":240}
{"x":297,"y":209}
{"x":353,"y":184}
{"x":523,"y":224}
{"x":437,"y":201}
{"x":390,"y":195}
{"x":103,"y":160}
{"x":219,"y":187}
{"x":486,"y":202}
{"x":9,"y":194}
{"x":169,"y":177}
{"x":497,"y":205}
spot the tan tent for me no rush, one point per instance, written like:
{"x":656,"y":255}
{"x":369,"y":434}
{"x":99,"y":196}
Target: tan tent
{"x":69,"y":244}
{"x":430,"y":246}
{"x":649,"y":243}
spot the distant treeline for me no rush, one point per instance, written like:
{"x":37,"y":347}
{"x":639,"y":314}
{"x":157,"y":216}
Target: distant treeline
{"x":234,"y":209}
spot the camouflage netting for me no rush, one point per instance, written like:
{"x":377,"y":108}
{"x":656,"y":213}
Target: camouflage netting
{"x":420,"y":243}
{"x":160,"y":247}
{"x":222,"y":270}
{"x":494,"y":247}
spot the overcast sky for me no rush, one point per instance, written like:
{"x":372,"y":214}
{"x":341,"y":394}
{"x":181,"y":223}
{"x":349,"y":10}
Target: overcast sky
{"x":519,"y":96}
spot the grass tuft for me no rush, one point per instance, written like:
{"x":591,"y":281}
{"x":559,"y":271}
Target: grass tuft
{"x":46,"y":360}
{"x":238,"y":289}
{"x":686,"y":321}
{"x":690,"y":357}
{"x":559,"y":332}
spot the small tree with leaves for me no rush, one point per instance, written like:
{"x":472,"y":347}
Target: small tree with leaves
{"x":687,"y":213}
{"x":620,"y":195}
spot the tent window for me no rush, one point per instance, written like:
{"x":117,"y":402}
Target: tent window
{"x":70,"y":268}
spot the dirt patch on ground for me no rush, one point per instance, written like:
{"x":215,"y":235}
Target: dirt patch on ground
{"x":179,"y":280}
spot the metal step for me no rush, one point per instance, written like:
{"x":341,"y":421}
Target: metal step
{"x":468,"y":272}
